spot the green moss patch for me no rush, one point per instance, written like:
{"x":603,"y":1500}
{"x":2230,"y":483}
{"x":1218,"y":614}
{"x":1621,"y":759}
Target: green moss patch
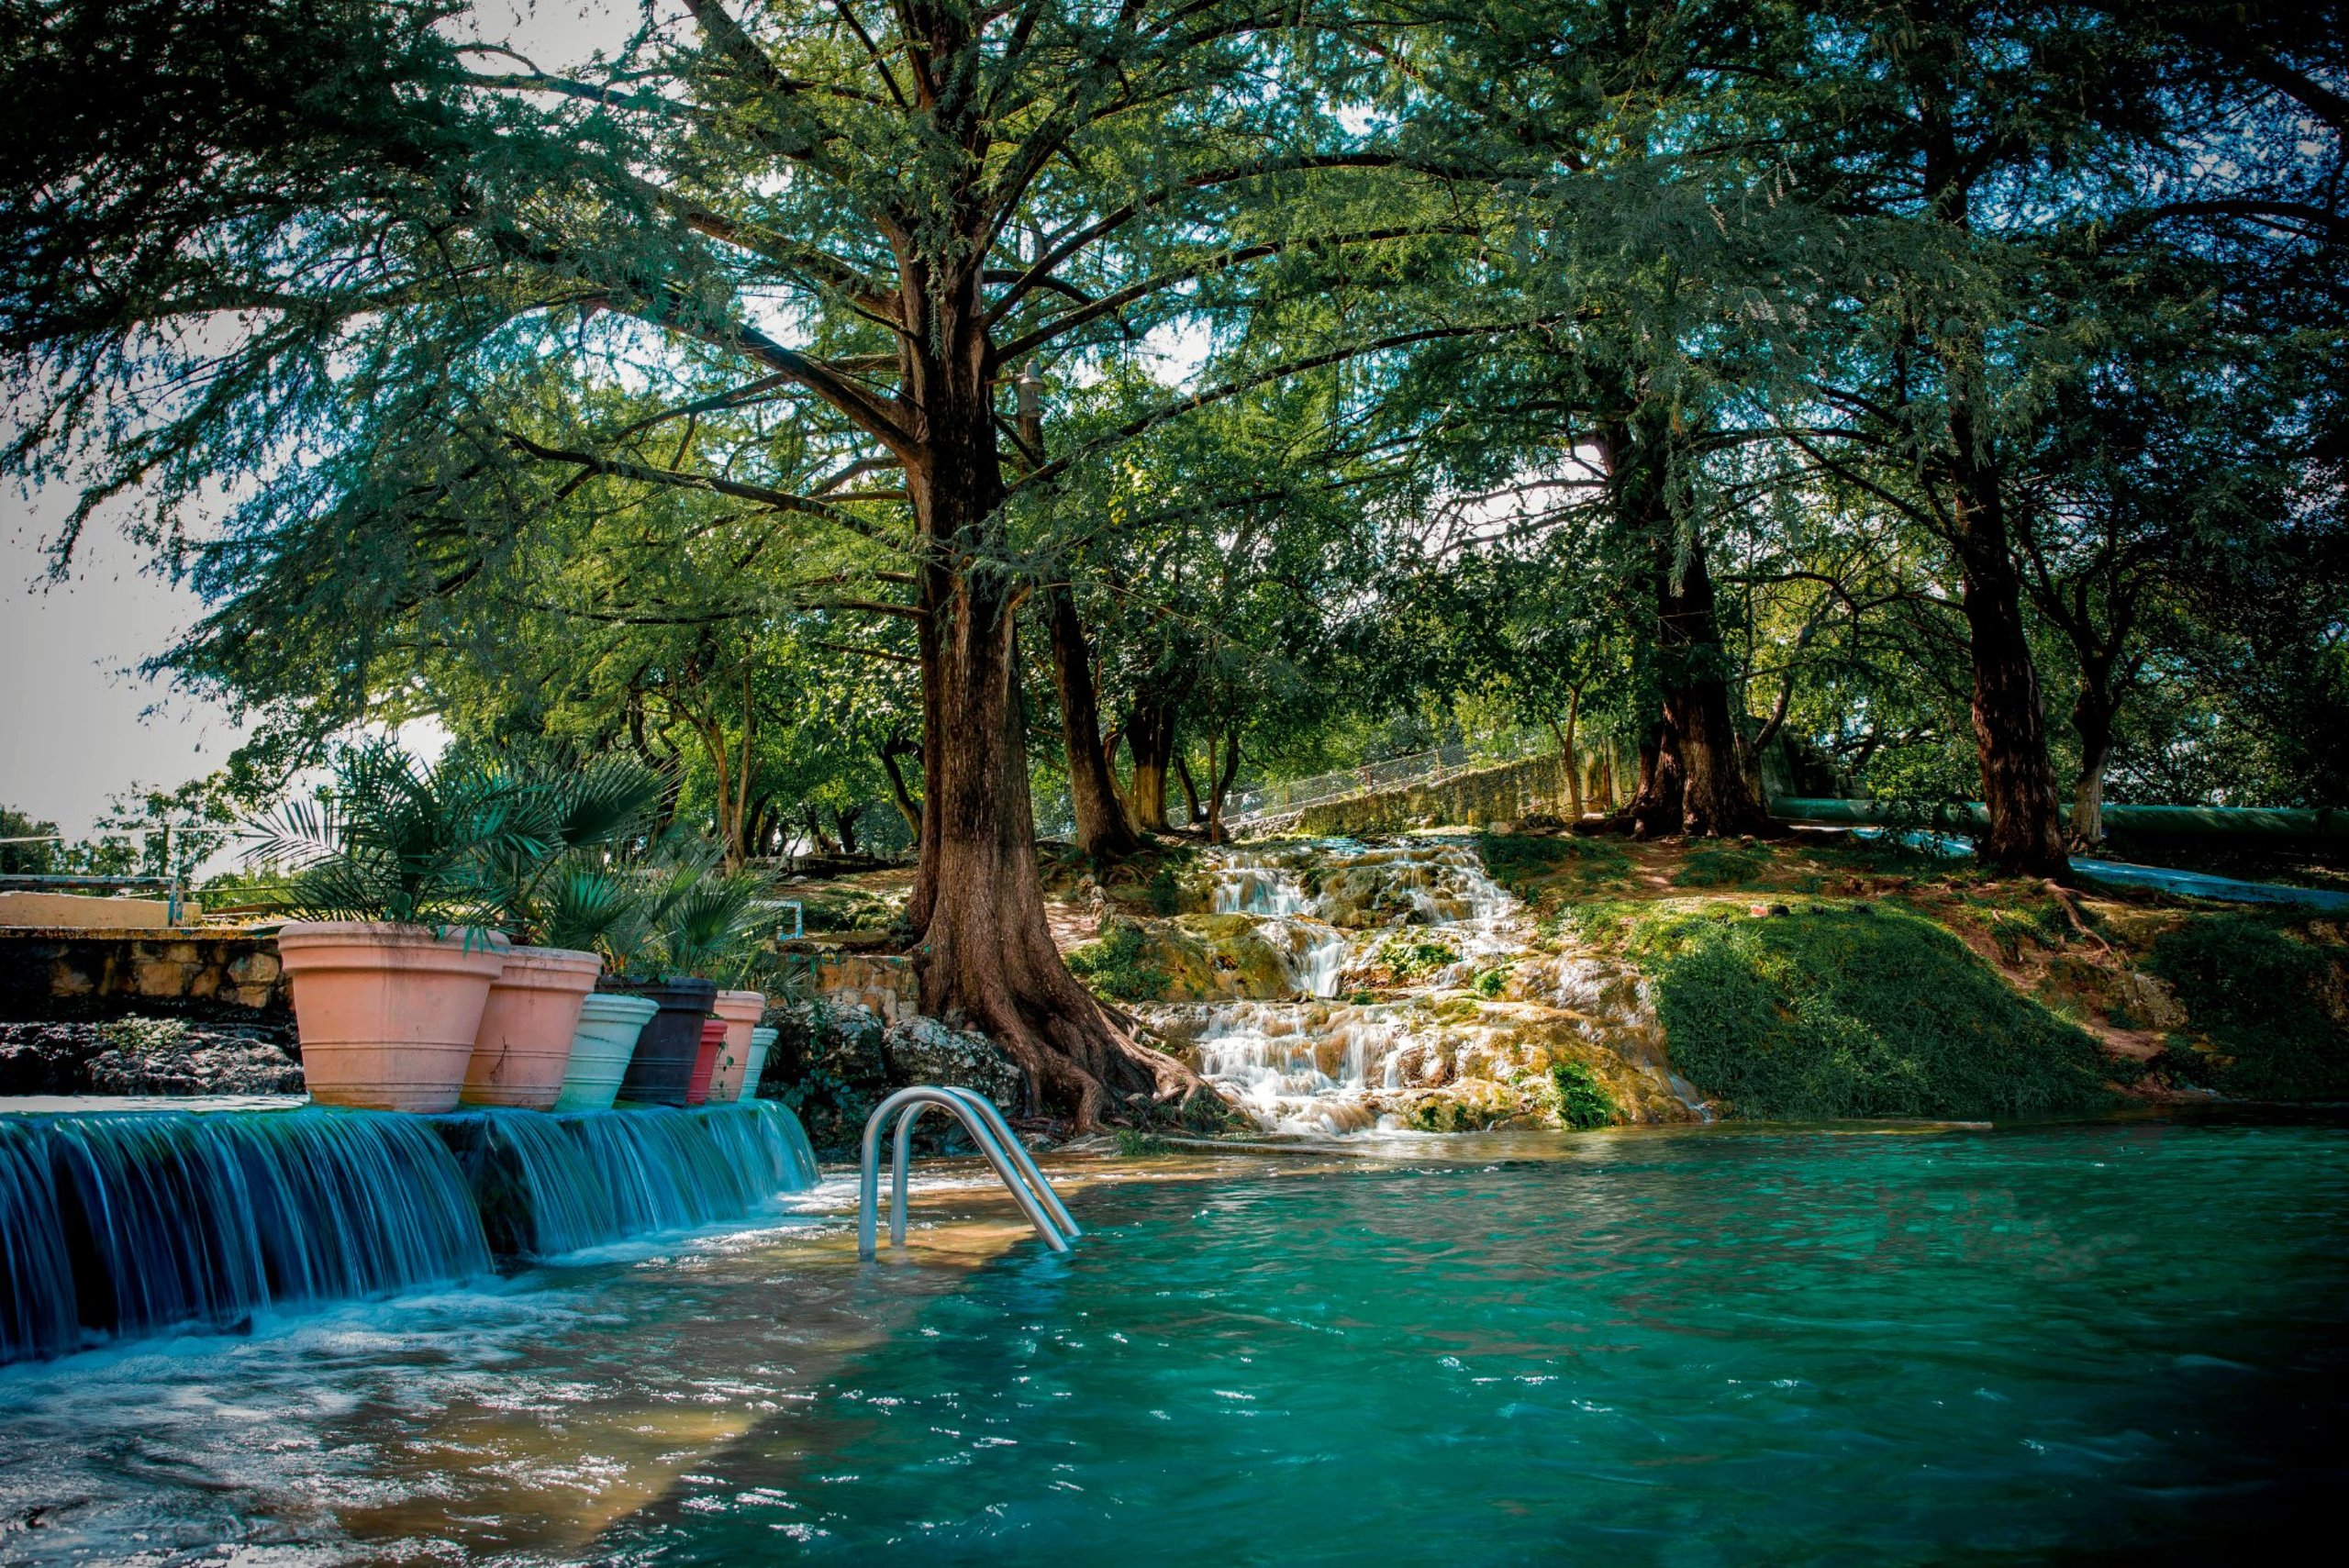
{"x":1117,"y":966}
{"x":2256,"y":987}
{"x":1721,"y":865}
{"x":1583,"y":1101}
{"x":1857,"y":1011}
{"x":1521,"y":862}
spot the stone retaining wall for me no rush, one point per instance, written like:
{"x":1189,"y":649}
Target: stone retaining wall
{"x":883,"y":982}
{"x":47,"y":970}
{"x":1485,"y":798}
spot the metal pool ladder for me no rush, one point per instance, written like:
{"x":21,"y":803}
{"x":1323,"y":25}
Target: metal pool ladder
{"x":989,"y":1131}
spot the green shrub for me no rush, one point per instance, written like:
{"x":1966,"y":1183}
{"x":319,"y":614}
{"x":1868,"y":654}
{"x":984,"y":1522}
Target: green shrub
{"x":1117,"y":966}
{"x":1857,"y":1011}
{"x":1164,"y":894}
{"x":1583,"y":1102}
{"x":1492,"y":981}
{"x":2255,"y":988}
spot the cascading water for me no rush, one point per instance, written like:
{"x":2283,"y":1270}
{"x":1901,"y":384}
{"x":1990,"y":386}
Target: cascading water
{"x":118,"y":1224}
{"x":1315,"y":950}
{"x":1304,"y":1066}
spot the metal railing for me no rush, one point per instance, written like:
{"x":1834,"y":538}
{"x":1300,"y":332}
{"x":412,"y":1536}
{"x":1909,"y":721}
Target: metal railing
{"x":996,"y":1140}
{"x":172,"y":881}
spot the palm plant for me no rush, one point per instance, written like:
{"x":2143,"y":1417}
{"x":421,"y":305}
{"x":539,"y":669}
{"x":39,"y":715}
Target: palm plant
{"x":396,"y":841}
{"x":706,"y":922}
{"x":553,"y":882}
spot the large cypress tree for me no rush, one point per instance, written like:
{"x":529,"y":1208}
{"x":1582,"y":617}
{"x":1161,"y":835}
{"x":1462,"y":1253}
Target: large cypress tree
{"x":366,"y":277}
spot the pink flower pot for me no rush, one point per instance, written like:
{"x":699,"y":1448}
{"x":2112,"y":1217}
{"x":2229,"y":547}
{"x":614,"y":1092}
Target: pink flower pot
{"x":713,"y":1040}
{"x":524,"y":1044}
{"x":739,"y":1011}
{"x":387,"y":1014}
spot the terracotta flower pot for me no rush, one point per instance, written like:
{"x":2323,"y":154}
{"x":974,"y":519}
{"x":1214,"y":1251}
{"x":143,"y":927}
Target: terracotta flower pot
{"x":664,"y":1063}
{"x":387,"y":1014}
{"x":761,"y":1042}
{"x":600,"y":1050}
{"x":713,"y":1042}
{"x":524,"y":1044}
{"x":739,"y":1011}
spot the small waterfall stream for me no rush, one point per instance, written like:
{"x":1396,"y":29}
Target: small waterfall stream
{"x":1304,"y":1065}
{"x":118,"y":1224}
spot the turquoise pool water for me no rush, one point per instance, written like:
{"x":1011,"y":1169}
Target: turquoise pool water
{"x":2106,"y":1343}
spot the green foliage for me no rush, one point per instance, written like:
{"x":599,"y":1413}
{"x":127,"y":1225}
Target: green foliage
{"x":1116,"y":965}
{"x":707,"y":922}
{"x":1133,"y":1143}
{"x":2257,"y":988}
{"x":1583,"y":1101}
{"x":396,"y":841}
{"x":1491,"y":982}
{"x":552,"y":880}
{"x":24,"y":859}
{"x":1164,"y":893}
{"x":1715,"y":864}
{"x":1409,"y":958}
{"x":1517,"y":860}
{"x":1861,"y":1011}
{"x":844,"y":909}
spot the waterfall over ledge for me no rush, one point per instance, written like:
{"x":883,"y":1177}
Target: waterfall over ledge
{"x":118,"y":1224}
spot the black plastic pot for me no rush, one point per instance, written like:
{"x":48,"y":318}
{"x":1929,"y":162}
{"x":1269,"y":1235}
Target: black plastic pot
{"x":663,"y":1062}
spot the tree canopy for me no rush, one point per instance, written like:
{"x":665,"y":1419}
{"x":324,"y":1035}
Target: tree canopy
{"x":883,"y":417}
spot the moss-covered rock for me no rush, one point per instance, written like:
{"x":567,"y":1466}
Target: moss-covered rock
{"x":1192,"y":958}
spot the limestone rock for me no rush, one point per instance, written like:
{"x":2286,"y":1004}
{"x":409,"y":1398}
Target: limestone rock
{"x":2150,"y":999}
{"x":925,"y":1050}
{"x":144,"y":1056}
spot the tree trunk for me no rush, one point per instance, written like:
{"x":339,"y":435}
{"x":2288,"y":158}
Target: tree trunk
{"x":1190,"y":787}
{"x":985,"y":953}
{"x":1696,"y":783}
{"x":2025,"y":834}
{"x":1102,"y":830}
{"x":1222,"y":780}
{"x":819,"y":840}
{"x":908,"y":807}
{"x":1654,"y":806}
{"x":2092,"y":714}
{"x":846,"y":822}
{"x":1150,"y":738}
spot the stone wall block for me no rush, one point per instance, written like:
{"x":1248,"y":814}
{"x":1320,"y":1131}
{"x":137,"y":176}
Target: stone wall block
{"x":253,"y":969}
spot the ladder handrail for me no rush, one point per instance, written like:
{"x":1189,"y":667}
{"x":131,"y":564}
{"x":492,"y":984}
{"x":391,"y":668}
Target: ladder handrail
{"x":1010,"y":1141}
{"x":975,"y":1124}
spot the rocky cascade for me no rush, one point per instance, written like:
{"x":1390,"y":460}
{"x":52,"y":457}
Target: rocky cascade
{"x":1339,"y":986}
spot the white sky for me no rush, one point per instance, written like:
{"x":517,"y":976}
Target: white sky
{"x":74,"y":722}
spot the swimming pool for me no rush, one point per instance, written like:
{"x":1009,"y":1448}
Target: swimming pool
{"x":1730,"y":1345}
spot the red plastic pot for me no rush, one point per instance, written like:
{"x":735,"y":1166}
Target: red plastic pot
{"x":713,"y":1040}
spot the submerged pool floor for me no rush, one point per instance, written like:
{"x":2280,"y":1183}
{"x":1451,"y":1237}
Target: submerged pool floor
{"x":2113,"y":1342}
